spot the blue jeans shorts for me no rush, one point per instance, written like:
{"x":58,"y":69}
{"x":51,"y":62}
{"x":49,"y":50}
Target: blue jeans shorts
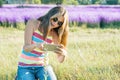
{"x":35,"y":73}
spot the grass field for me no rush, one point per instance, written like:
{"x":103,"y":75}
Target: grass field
{"x":93,"y":54}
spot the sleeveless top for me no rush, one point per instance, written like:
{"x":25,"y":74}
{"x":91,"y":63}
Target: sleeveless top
{"x":36,"y":57}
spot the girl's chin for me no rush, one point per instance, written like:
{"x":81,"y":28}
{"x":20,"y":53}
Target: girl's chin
{"x":52,"y":24}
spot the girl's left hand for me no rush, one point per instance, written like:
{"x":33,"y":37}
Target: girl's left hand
{"x":61,"y":50}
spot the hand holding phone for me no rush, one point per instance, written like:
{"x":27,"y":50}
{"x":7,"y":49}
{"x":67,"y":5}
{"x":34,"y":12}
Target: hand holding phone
{"x":50,"y":47}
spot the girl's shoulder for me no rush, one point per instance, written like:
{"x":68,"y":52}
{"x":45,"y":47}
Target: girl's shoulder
{"x":33,"y":22}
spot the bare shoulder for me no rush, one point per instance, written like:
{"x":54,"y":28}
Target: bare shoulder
{"x":29,"y":29}
{"x":33,"y":23}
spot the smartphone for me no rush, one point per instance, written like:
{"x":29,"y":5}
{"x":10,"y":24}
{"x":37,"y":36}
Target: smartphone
{"x":50,"y":47}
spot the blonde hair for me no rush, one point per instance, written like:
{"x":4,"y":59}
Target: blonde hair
{"x":61,"y":31}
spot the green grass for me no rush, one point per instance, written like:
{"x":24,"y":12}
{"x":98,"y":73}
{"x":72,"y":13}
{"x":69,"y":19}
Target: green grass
{"x":93,"y":54}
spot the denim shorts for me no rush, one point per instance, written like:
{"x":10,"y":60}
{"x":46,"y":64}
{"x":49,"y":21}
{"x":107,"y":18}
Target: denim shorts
{"x":35,"y":73}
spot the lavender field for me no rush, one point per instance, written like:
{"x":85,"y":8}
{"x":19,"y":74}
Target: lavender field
{"x":80,"y":14}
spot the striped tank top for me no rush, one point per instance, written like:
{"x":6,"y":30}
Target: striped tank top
{"x":36,"y":57}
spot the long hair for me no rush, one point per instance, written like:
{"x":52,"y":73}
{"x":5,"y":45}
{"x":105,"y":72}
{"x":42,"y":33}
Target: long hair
{"x":61,"y":31}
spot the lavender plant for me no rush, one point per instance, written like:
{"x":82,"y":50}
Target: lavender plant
{"x":79,"y":14}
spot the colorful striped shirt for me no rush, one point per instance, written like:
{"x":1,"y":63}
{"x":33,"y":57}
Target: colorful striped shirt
{"x":36,"y":57}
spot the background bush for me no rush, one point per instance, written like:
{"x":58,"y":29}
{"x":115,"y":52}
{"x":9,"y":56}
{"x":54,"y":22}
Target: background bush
{"x":0,"y":3}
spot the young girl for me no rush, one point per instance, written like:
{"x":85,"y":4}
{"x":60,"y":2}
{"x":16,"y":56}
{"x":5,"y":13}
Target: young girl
{"x":33,"y":63}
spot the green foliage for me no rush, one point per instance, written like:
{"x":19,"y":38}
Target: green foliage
{"x":68,"y":2}
{"x":112,"y":2}
{"x":18,"y":25}
{"x":102,"y":24}
{"x":95,"y":1}
{"x":114,"y":24}
{"x":1,"y":3}
{"x":71,"y":2}
{"x":93,"y":25}
{"x":51,"y":1}
{"x":84,"y":2}
{"x":37,"y":2}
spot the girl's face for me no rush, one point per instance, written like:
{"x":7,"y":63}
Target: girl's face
{"x":56,"y":21}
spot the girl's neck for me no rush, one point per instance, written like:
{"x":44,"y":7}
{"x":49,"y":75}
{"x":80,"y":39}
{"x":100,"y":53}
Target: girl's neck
{"x":40,"y":27}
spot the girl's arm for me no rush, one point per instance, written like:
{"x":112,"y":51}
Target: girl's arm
{"x":61,"y":53}
{"x":30,"y":28}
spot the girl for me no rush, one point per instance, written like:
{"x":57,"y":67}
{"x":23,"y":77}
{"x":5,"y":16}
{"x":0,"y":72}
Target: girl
{"x":33,"y":63}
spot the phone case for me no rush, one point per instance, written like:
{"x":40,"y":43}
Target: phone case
{"x":50,"y":47}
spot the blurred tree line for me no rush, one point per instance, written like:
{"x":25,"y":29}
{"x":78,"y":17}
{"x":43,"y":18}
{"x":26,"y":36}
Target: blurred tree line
{"x":83,"y":2}
{"x":68,"y":2}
